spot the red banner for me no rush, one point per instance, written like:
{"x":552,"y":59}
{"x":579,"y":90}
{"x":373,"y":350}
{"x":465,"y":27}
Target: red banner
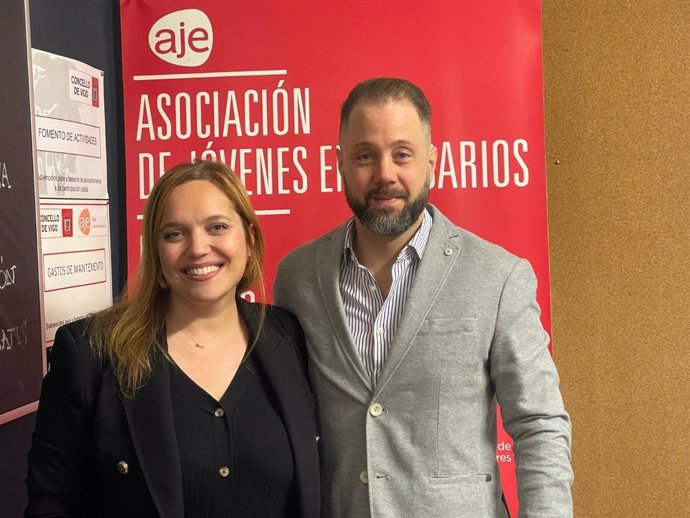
{"x":259,"y":84}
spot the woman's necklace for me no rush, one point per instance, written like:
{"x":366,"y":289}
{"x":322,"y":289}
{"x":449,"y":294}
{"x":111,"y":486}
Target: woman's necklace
{"x":196,"y":342}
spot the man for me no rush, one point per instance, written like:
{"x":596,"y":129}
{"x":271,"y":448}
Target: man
{"x":415,"y":329}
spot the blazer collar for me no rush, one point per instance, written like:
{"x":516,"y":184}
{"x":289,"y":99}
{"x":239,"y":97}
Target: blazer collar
{"x":328,"y":258}
{"x":441,"y":253}
{"x":276,"y":357}
{"x":152,"y":428}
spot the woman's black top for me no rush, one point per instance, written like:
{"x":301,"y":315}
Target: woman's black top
{"x":235,"y":454}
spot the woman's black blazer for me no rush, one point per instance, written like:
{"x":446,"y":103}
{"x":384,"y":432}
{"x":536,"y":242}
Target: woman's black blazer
{"x":95,"y":453}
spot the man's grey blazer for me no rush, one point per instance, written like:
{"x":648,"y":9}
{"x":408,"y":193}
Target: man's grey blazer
{"x":422,"y":442}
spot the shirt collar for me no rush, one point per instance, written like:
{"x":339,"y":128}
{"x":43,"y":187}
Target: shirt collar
{"x":417,"y":242}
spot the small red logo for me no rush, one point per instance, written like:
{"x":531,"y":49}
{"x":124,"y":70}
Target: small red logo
{"x":94,"y":91}
{"x":67,"y":229}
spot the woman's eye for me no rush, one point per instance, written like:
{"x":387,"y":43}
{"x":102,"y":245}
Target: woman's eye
{"x":172,"y":235}
{"x":218,"y":227}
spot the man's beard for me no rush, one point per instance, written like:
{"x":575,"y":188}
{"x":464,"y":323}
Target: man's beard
{"x":385,"y":221}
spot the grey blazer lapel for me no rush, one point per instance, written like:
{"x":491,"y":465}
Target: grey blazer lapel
{"x":328,"y":258}
{"x":152,"y":428}
{"x":440,"y":254}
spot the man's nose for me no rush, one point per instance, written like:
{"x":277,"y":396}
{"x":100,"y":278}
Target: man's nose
{"x":385,"y":171}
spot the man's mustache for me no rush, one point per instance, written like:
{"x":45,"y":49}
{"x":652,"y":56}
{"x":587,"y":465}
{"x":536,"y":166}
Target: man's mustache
{"x":388,"y":191}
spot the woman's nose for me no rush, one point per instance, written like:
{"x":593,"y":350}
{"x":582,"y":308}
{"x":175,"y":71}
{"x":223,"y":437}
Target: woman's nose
{"x":199,"y":244}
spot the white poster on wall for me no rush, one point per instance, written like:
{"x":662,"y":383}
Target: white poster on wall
{"x":72,"y":178}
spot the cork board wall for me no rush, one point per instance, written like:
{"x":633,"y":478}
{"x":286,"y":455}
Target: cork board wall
{"x":617,"y":93}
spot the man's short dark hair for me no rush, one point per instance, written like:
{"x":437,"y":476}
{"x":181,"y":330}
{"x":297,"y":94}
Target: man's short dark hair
{"x":380,"y":90}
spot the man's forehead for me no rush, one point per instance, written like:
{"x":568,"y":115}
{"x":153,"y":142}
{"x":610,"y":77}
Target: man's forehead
{"x":390,"y":102}
{"x":361,"y":112}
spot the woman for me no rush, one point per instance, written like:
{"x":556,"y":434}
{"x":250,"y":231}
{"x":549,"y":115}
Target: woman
{"x":182,"y":399}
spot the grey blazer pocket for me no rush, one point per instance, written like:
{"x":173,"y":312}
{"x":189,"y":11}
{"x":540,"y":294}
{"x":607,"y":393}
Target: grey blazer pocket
{"x":461,"y":479}
{"x":443,"y":326}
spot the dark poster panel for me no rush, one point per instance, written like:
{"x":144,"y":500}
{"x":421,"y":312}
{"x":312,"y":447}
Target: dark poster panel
{"x":21,"y":345}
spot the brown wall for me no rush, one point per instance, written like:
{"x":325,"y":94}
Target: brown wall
{"x":617,"y":91}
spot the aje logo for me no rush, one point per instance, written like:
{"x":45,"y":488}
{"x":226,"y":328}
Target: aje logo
{"x":85,"y":222}
{"x":183,"y":38}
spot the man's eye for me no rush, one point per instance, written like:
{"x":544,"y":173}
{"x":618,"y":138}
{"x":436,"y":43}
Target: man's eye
{"x":403,"y":155}
{"x":364,"y":157}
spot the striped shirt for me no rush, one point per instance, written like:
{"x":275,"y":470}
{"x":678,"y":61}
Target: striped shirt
{"x":372,"y":320}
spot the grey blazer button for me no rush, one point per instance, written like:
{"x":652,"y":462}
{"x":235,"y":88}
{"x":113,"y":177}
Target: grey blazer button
{"x":364,"y":477}
{"x":448,"y":251}
{"x":376,"y":410}
{"x":223,"y":471}
{"x":123,"y":467}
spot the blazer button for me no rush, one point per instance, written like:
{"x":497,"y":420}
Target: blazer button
{"x":122,"y":467}
{"x":364,"y":477}
{"x":448,"y":251}
{"x":375,"y":409}
{"x":223,"y":471}
{"x":219,"y":412}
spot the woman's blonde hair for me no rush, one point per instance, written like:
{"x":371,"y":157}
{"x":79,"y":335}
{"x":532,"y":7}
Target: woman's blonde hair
{"x":127,"y":333}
